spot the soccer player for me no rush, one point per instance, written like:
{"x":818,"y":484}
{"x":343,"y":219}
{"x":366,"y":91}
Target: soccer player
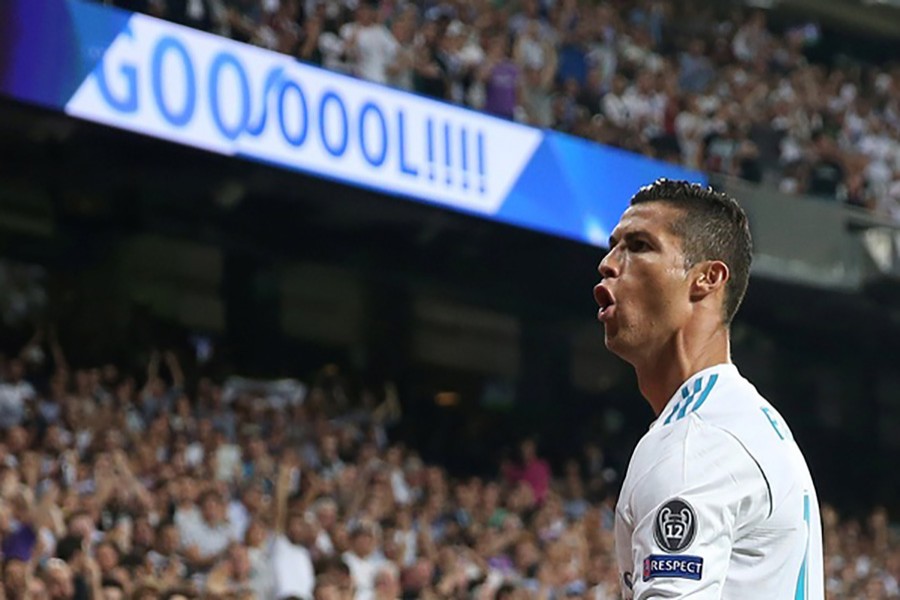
{"x":718,"y":501}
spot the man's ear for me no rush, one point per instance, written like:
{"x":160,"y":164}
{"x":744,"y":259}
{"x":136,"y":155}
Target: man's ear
{"x":709,"y":277}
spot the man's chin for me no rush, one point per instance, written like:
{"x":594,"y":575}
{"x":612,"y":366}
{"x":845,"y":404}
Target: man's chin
{"x":615,"y":344}
{"x":612,"y":342}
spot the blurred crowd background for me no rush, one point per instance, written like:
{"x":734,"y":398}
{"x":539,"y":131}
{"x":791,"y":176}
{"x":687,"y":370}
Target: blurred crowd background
{"x":708,"y":85}
{"x":150,"y":485}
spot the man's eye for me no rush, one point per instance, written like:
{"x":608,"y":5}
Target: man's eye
{"x":638,"y":245}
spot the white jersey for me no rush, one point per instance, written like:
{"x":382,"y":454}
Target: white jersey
{"x":718,"y":501}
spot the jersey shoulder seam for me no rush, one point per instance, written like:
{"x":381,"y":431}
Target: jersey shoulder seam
{"x":681,"y":456}
{"x":753,"y":458}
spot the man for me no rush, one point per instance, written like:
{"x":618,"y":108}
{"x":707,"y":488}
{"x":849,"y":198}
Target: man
{"x":364,"y":559}
{"x":59,"y":580}
{"x":368,"y":44}
{"x":717,"y":501}
{"x":15,"y":392}
{"x":205,"y":540}
{"x":387,"y":583}
{"x":291,"y":560}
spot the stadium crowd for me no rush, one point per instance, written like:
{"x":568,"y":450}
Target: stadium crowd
{"x":707,"y":86}
{"x":114,"y":486}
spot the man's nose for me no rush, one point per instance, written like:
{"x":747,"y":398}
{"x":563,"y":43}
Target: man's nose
{"x":608,"y":266}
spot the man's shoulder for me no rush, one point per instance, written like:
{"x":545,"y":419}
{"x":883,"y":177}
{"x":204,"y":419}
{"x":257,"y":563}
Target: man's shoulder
{"x":691,"y":449}
{"x":718,"y":397}
{"x":283,"y":544}
{"x":686,"y":461}
{"x":678,"y":444}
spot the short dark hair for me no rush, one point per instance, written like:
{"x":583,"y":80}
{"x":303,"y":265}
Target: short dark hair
{"x":69,"y":546}
{"x":713,"y":227}
{"x":111,"y":583}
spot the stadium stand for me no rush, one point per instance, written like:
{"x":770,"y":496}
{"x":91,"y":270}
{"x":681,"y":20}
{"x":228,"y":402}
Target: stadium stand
{"x":114,"y":486}
{"x":673,"y":80}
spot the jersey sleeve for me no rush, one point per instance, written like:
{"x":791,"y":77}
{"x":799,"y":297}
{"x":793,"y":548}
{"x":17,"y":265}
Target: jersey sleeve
{"x":686,"y":511}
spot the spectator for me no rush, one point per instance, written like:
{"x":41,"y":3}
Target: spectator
{"x":696,"y":70}
{"x":166,"y":557}
{"x":430,"y":73}
{"x":752,"y":39}
{"x":14,"y":392}
{"x":400,"y":70}
{"x":293,"y":567}
{"x":206,"y":535}
{"x":370,"y":46}
{"x":387,"y":585}
{"x":206,"y":15}
{"x":364,"y":560}
{"x":232,"y":574}
{"x":536,"y":58}
{"x":532,"y":470}
{"x":59,"y":580}
{"x":614,"y":107}
{"x":15,"y":577}
{"x":502,"y":80}
{"x":113,"y":590}
{"x":243,"y":18}
{"x":826,"y":176}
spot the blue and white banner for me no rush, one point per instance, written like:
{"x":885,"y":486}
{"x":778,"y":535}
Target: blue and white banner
{"x":141,"y":74}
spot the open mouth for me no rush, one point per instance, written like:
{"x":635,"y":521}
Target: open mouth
{"x":605,"y":300}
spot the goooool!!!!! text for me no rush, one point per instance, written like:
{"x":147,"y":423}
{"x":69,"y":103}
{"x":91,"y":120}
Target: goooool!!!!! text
{"x":447,"y":154}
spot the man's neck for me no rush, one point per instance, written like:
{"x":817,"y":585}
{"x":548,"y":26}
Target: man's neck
{"x":660,"y":375}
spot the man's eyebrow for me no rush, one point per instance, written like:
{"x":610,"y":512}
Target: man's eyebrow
{"x":630,"y":235}
{"x":613,"y":239}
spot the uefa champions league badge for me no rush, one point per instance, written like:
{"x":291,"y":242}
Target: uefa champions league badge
{"x":675,"y":526}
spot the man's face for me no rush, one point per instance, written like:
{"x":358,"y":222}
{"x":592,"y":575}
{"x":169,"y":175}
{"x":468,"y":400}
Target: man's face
{"x":327,"y":515}
{"x":252,"y":500}
{"x":82,"y":525}
{"x":644,"y":295}
{"x":365,"y":15}
{"x":240,"y":562}
{"x":113,"y":593}
{"x":169,"y":540}
{"x":14,"y":575}
{"x":16,"y":370}
{"x":107,"y":557}
{"x":213,"y":510}
{"x":364,"y":544}
{"x":386,"y":585}
{"x":59,"y":582}
{"x":299,"y":531}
